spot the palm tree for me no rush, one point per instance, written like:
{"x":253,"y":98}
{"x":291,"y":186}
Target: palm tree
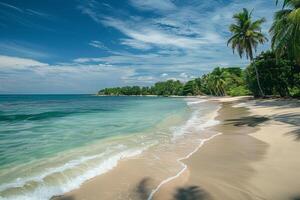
{"x":246,"y":35}
{"x":285,"y":30}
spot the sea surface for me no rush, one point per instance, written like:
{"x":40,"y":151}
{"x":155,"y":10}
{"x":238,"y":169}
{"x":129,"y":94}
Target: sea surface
{"x":51,"y":144}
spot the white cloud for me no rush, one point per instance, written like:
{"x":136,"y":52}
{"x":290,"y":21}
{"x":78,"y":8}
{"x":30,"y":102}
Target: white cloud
{"x":7,"y":62}
{"x":156,"y":5}
{"x":98,"y":44}
{"x":11,"y":6}
{"x":150,"y":34}
{"x":85,"y":60}
{"x":23,"y":49}
{"x":140,"y":80}
{"x":184,"y":75}
{"x":164,"y":75}
{"x":23,"y":75}
{"x":136,"y":44}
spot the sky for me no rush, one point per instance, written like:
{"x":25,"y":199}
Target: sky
{"x":82,"y":46}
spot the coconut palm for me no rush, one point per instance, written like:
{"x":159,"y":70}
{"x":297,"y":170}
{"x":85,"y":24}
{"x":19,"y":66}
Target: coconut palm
{"x":285,"y":30}
{"x":246,"y":36}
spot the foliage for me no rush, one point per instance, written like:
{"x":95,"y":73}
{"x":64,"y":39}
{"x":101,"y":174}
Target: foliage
{"x":285,"y":31}
{"x":220,"y":82}
{"x":241,"y":90}
{"x":166,"y":88}
{"x":225,"y":81}
{"x":278,"y":77}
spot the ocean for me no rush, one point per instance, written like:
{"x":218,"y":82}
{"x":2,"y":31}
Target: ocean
{"x":51,"y":144}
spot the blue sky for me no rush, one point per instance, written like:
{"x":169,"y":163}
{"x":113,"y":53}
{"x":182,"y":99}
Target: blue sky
{"x":54,"y":46}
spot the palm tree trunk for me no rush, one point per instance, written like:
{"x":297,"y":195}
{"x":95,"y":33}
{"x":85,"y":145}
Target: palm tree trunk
{"x":257,"y":75}
{"x":258,"y":82}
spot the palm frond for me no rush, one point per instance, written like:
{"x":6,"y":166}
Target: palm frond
{"x":246,"y":34}
{"x":285,"y":30}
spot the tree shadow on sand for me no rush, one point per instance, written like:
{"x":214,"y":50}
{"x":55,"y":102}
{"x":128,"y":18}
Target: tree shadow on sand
{"x":278,"y":103}
{"x":190,"y":193}
{"x":292,"y":119}
{"x":296,"y":198}
{"x":296,"y":133}
{"x":143,"y":188}
{"x":251,"y":121}
{"x":63,"y":198}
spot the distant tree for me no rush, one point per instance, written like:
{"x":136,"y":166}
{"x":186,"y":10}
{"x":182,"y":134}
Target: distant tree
{"x":189,"y":88}
{"x":167,"y":88}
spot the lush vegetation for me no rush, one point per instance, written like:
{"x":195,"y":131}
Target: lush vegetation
{"x":277,"y":76}
{"x":220,"y":82}
{"x":285,"y":30}
{"x":275,"y":72}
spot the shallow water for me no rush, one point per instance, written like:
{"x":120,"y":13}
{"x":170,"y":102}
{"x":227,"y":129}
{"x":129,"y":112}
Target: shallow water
{"x":50,"y":144}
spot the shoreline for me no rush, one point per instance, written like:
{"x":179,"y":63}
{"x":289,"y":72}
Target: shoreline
{"x":155,"y":176}
{"x":201,"y":169}
{"x":182,"y":164}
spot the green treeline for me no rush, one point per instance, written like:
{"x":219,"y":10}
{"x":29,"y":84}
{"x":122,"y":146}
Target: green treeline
{"x":279,"y":77}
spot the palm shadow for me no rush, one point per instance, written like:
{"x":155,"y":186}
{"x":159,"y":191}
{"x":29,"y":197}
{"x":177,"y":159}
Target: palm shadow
{"x":296,"y":133}
{"x":190,"y":193}
{"x":251,"y":121}
{"x":279,"y":103}
{"x":295,"y":198}
{"x":292,"y":119}
{"x":62,"y":198}
{"x":143,"y":188}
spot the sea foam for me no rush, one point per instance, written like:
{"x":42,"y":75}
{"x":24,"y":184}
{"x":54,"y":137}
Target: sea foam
{"x":45,"y":191}
{"x":198,"y":121}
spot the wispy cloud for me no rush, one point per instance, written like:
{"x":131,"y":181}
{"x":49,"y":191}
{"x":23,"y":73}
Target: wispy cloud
{"x":98,"y":44}
{"x":191,"y":36}
{"x":141,"y":31}
{"x":136,"y":44}
{"x":25,"y":50}
{"x":8,"y":62}
{"x":155,"y":5}
{"x":11,"y":7}
{"x":24,"y":16}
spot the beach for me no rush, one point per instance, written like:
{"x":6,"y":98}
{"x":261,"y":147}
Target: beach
{"x":256,"y":157}
{"x":183,"y":148}
{"x":253,"y":154}
{"x":150,"y":100}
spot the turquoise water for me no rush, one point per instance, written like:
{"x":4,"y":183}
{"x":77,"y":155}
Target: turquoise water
{"x":50,"y":144}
